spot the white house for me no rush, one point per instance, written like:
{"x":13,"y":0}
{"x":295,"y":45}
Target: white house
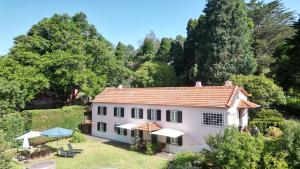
{"x":181,"y":117}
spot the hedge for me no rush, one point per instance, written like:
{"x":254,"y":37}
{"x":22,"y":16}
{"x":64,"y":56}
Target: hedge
{"x":13,"y":125}
{"x":67,"y":117}
{"x":264,"y":124}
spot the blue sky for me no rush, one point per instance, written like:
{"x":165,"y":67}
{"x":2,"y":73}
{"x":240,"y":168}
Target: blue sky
{"x":127,"y":21}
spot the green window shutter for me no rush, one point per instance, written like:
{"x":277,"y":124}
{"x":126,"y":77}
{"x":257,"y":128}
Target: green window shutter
{"x":179,"y":116}
{"x":141,"y":133}
{"x":168,"y":140}
{"x":149,"y":114}
{"x":158,"y":115}
{"x":99,"y":108}
{"x":122,"y":112}
{"x":168,"y":115}
{"x":98,"y":126}
{"x":132,"y":112}
{"x":125,"y":132}
{"x":141,"y":113}
{"x":132,"y":133}
{"x":105,"y":111}
{"x":115,"y":111}
{"x":180,"y":141}
{"x":104,"y":128}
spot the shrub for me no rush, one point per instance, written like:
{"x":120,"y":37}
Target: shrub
{"x":13,"y":126}
{"x":291,"y":142}
{"x":68,"y":117}
{"x":4,"y":159}
{"x":266,"y":118}
{"x":188,"y":160}
{"x":77,"y":137}
{"x":274,"y":132}
{"x":278,"y":161}
{"x":234,"y":149}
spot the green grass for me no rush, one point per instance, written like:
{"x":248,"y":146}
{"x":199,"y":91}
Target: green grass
{"x":99,"y":155}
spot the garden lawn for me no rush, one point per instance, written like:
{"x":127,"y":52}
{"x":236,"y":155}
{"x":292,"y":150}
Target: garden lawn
{"x":98,"y":155}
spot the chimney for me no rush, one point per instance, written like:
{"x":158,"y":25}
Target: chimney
{"x":198,"y":84}
{"x":120,"y":87}
{"x":228,"y":83}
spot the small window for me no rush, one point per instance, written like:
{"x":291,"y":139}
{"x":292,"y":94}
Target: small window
{"x":101,"y":126}
{"x":174,"y":116}
{"x":120,"y":131}
{"x":213,"y":119}
{"x":154,"y":114}
{"x":101,"y":110}
{"x":119,"y":111}
{"x":137,"y":113}
{"x":174,"y":140}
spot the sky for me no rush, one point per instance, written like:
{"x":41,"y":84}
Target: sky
{"x":128,"y":21}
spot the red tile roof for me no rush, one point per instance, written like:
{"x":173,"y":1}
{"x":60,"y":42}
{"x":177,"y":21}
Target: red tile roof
{"x":247,"y":104}
{"x":206,"y":96}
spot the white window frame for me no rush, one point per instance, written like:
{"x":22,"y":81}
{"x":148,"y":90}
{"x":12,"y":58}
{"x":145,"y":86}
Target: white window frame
{"x":101,"y":110}
{"x":137,"y":113}
{"x":136,"y":133}
{"x":174,"y":140}
{"x":101,"y":126}
{"x":119,"y":110}
{"x":153,"y":114}
{"x":174,"y":115}
{"x":215,"y":121}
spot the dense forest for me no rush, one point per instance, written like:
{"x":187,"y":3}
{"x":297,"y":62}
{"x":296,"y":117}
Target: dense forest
{"x":255,"y":44}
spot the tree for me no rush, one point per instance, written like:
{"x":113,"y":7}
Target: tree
{"x":287,"y":69}
{"x":263,"y":90}
{"x":177,"y":55}
{"x":4,"y":159}
{"x":71,"y":54}
{"x":235,"y":149}
{"x":152,"y":74}
{"x":163,"y":54}
{"x":271,"y":28}
{"x":224,"y":47}
{"x":19,"y":84}
{"x":121,"y":51}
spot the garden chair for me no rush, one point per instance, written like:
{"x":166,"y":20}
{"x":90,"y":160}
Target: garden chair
{"x":73,"y":150}
{"x":63,"y":153}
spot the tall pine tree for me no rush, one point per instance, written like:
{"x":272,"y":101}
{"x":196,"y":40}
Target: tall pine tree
{"x":224,"y":47}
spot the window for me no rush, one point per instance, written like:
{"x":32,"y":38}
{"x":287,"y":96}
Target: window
{"x":213,"y":119}
{"x":137,"y":133}
{"x":120,"y":131}
{"x":175,"y":141}
{"x":137,"y":113}
{"x":101,"y":126}
{"x":154,"y":114}
{"x":101,"y":110}
{"x":174,"y":116}
{"x":119,"y":111}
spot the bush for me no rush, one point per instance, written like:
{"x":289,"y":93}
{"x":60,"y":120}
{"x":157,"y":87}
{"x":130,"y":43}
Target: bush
{"x":234,"y":149}
{"x":68,"y":117}
{"x":13,"y":126}
{"x":4,"y":158}
{"x":274,"y":132}
{"x":77,"y":137}
{"x":291,"y":142}
{"x":266,"y":118}
{"x":188,"y":160}
{"x":278,"y":161}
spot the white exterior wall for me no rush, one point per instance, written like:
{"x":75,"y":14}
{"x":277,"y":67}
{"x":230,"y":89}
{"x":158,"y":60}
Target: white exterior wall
{"x":195,"y":131}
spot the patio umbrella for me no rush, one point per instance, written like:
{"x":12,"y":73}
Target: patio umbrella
{"x":57,"y":132}
{"x":28,"y":135}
